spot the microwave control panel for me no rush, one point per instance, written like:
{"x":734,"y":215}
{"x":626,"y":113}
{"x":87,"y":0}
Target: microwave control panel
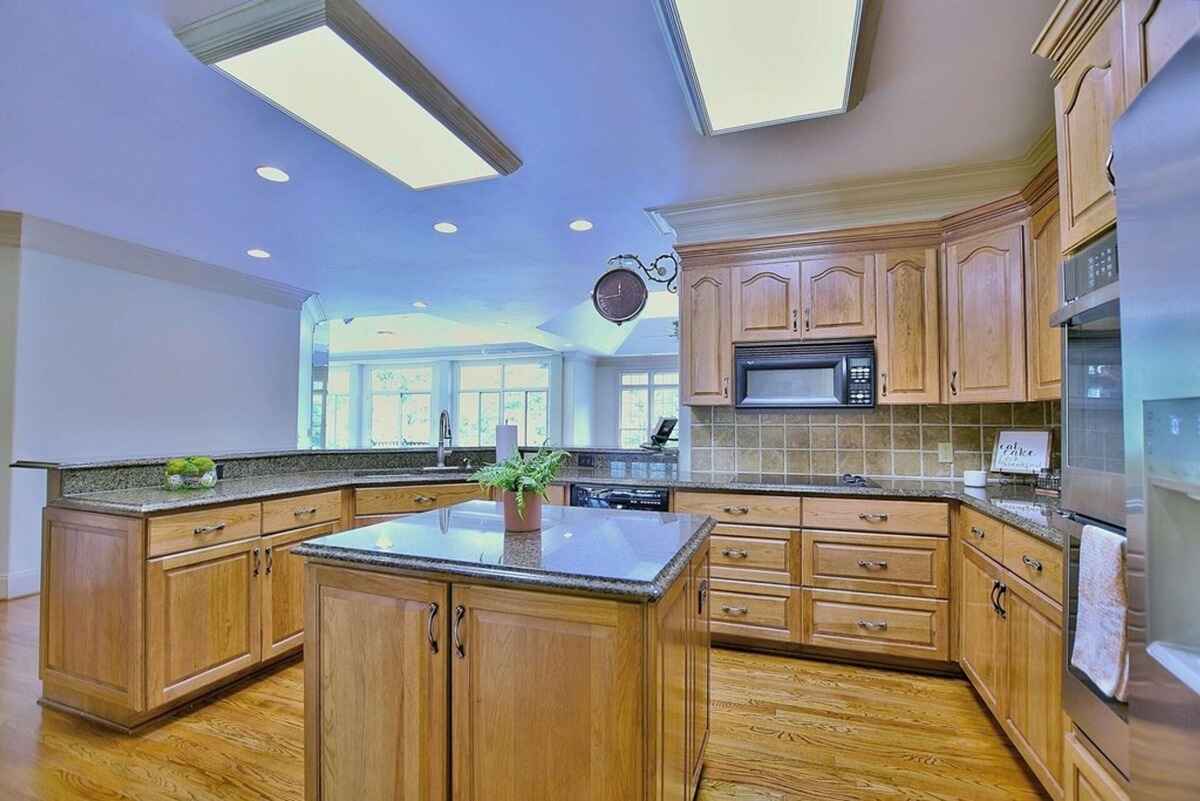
{"x":861,"y":381}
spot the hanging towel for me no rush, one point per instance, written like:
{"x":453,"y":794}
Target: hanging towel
{"x":1100,"y":647}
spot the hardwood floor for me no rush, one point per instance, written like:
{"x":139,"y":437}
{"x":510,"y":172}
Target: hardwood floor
{"x":781,"y":729}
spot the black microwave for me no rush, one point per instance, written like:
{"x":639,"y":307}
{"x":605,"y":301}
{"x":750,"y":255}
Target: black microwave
{"x":820,"y":375}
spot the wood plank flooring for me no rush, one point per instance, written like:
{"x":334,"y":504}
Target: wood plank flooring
{"x":782,"y":729}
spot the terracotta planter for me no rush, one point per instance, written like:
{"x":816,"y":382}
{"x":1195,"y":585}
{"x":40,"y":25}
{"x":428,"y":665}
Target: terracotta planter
{"x":533,"y":512}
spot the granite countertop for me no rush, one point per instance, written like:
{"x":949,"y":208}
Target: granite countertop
{"x":623,"y":554}
{"x":1016,"y":505}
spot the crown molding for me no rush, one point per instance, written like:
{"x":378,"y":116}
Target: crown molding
{"x":904,"y":198}
{"x":10,"y":229}
{"x":1068,"y":30}
{"x":68,"y":242}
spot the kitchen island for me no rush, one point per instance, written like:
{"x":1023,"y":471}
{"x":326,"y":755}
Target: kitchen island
{"x":444,"y":655}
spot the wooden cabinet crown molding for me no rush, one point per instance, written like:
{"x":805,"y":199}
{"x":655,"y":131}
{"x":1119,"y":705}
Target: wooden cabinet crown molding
{"x":1067,"y":31}
{"x":10,"y":229}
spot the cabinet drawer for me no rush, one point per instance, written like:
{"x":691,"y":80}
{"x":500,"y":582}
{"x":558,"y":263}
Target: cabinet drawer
{"x":872,"y":514}
{"x":756,"y":553}
{"x":887,"y":563}
{"x":1038,"y":562}
{"x":729,"y":507}
{"x":187,"y":530}
{"x":755,"y":610}
{"x":982,"y":531}
{"x":415,"y":498}
{"x":880,"y":624}
{"x":303,"y":510}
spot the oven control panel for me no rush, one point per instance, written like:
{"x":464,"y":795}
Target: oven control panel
{"x":1091,"y":268}
{"x":860,"y":382}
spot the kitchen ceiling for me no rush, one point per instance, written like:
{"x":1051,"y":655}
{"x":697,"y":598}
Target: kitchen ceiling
{"x":112,"y":126}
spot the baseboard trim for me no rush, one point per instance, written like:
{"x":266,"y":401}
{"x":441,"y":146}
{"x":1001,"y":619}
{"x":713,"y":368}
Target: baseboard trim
{"x":19,"y":584}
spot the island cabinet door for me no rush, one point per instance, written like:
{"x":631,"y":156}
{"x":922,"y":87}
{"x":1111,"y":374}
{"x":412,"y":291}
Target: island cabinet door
{"x":283,"y":589}
{"x":375,"y":706}
{"x":700,"y":653}
{"x":202,"y":616}
{"x":673,"y":702}
{"x":547,"y":697}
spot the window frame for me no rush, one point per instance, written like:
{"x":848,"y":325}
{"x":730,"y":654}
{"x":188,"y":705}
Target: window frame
{"x":648,"y":388}
{"x":457,"y":391}
{"x":368,"y":402}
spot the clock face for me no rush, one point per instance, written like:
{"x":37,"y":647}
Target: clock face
{"x":620,"y":295}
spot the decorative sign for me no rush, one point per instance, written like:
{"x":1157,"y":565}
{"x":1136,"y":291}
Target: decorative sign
{"x":1021,"y":452}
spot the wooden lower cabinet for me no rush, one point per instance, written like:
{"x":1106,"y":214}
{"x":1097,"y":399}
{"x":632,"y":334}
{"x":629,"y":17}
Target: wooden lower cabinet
{"x":1085,"y":779}
{"x":700,"y":667}
{"x":888,"y":625}
{"x":369,"y":501}
{"x":375,"y":711}
{"x":983,"y":640}
{"x":202,"y":618}
{"x":283,"y":589}
{"x":750,"y":610}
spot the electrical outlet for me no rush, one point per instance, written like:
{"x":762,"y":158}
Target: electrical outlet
{"x":945,"y":453}
{"x":586,"y":460}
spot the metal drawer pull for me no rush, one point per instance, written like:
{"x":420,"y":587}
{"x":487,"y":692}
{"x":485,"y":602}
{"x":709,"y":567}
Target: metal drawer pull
{"x":312,"y":510}
{"x":873,"y":518}
{"x":871,"y":625}
{"x":701,"y":596}
{"x":872,"y":564}
{"x":734,"y":553}
{"x":1030,"y":562}
{"x":736,"y":510}
{"x":1000,"y":593}
{"x":424,"y":498}
{"x":795,"y":314}
{"x":270,"y":559}
{"x":256,"y":561}
{"x":735,"y":610}
{"x":433,"y":643}
{"x":978,"y":532}
{"x":460,"y":612}
{"x":953,"y":382}
{"x":208,"y":529}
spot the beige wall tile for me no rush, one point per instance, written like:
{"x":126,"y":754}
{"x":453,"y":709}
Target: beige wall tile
{"x":773,"y":461}
{"x":799,"y":462}
{"x":878,"y":463}
{"x":906,"y":438}
{"x":798,"y":437}
{"x":724,"y":460}
{"x":932,"y":435}
{"x":749,"y":437}
{"x":850,"y":462}
{"x":773,"y":437}
{"x":702,"y":459}
{"x":850,"y":437}
{"x":906,"y":463}
{"x":965,"y":438}
{"x":906,"y":414}
{"x":935,"y":414}
{"x":749,"y":460}
{"x":701,"y":436}
{"x":823,"y":437}
{"x":824,"y":463}
{"x":877,"y":437}
{"x":723,"y":436}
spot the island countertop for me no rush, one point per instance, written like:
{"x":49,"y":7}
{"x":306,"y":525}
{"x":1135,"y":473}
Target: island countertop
{"x":622,"y":554}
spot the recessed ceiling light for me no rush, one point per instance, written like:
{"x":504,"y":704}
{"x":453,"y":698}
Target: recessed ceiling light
{"x":580,"y":225}
{"x":445,"y":227}
{"x":272,"y":174}
{"x":738,"y":62}
{"x":301,"y":56}
{"x":420,"y":304}
{"x":258,"y":253}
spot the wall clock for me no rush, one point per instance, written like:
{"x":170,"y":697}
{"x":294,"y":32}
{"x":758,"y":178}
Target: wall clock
{"x":620,"y":295}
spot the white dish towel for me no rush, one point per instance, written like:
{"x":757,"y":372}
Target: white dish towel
{"x":1100,"y":647}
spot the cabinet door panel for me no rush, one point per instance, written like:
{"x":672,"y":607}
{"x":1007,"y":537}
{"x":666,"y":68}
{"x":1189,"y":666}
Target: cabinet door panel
{"x":986,"y":317}
{"x":1154,"y":30}
{"x":705,"y":338}
{"x":983,"y":638}
{"x":1043,"y":295}
{"x":1087,"y":100}
{"x":202,"y":610}
{"x":530,"y":664}
{"x":1033,"y":712}
{"x":283,"y":589}
{"x":907,"y":342}
{"x":375,"y":701}
{"x":766,"y":302}
{"x":700,"y":652}
{"x":838,"y":294}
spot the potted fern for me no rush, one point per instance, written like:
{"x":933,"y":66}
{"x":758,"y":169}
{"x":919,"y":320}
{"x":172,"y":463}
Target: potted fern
{"x":523,"y":482}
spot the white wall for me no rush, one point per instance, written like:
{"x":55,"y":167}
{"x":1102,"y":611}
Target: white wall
{"x":10,"y":270}
{"x":113,"y":364}
{"x":579,"y":399}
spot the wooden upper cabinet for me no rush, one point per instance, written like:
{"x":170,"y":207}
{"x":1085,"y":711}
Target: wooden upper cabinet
{"x":766,"y":302}
{"x":1154,"y":30}
{"x":202,"y":618}
{"x":838,"y":295}
{"x":705,"y":338}
{"x":983,"y":638}
{"x":1088,"y":98}
{"x":985,"y":316}
{"x":1043,"y":295}
{"x":907,"y":341}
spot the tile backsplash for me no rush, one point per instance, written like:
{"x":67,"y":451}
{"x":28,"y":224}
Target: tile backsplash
{"x":885,"y":442}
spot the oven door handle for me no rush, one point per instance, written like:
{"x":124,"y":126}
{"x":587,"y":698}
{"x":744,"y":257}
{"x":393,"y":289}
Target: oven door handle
{"x":1065,"y":314}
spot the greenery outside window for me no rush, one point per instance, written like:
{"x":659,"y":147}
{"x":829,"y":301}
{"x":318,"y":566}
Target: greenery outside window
{"x":646,"y":395}
{"x":513,"y":393}
{"x":401,"y":406}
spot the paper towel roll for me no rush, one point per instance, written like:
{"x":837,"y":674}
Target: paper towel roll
{"x":506,"y":442}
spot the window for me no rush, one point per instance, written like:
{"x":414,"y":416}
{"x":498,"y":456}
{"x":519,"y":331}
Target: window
{"x":401,"y":406}
{"x":515,"y":393}
{"x":646,"y":396}
{"x":338,"y":405}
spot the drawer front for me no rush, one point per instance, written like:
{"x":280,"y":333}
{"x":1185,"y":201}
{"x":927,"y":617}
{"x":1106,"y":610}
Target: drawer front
{"x":415,"y":498}
{"x":188,"y":530}
{"x":983,"y":532}
{"x":752,"y":610}
{"x":886,"y":563}
{"x":727,"y":507}
{"x":756,"y":553}
{"x":303,"y":510}
{"x":872,"y":514}
{"x":1038,"y":562}
{"x":890,"y":625}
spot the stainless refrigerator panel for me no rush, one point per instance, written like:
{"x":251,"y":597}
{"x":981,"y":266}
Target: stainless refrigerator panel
{"x":1157,"y":165}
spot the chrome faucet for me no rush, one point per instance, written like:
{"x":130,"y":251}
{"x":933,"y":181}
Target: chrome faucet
{"x":445,"y":438}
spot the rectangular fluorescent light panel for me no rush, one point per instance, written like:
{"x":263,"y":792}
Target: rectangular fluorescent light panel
{"x":750,"y":64}
{"x":325,"y":83}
